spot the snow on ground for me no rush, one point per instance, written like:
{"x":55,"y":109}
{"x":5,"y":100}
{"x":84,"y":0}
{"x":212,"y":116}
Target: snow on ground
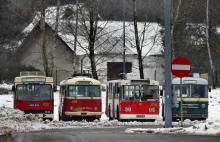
{"x":6,"y":86}
{"x":17,"y":121}
{"x":214,"y":106}
{"x":6,"y":100}
{"x":210,"y":127}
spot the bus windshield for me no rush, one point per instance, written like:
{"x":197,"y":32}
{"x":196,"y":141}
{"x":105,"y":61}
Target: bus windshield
{"x":143,"y":92}
{"x":150,"y":92}
{"x":84,"y":91}
{"x":192,"y":91}
{"x":33,"y":92}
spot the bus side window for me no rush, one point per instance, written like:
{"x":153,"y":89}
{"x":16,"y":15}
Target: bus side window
{"x":110,"y":91}
{"x":126,"y":92}
{"x":116,"y":90}
{"x":120,"y":92}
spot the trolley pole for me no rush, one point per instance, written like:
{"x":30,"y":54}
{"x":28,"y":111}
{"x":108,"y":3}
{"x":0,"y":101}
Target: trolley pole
{"x":124,"y":49}
{"x":168,"y":105}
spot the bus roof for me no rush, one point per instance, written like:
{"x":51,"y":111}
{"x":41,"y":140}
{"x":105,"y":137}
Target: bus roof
{"x":190,"y":80}
{"x":33,"y":79}
{"x":128,"y":81}
{"x":76,"y":80}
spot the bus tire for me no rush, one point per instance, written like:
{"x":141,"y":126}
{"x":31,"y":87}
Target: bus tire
{"x":118,"y":117}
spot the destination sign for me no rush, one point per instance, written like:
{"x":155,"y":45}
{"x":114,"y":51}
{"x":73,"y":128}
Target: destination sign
{"x":33,"y":79}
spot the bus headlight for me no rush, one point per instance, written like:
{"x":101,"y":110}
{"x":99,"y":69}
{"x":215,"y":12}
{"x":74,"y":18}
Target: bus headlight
{"x":71,"y":108}
{"x":48,"y":112}
{"x":128,"y":109}
{"x":95,"y":108}
{"x":151,"y":109}
{"x":203,"y":105}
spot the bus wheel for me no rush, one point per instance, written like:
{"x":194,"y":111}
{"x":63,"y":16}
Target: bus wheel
{"x":109,"y":113}
{"x":118,"y":117}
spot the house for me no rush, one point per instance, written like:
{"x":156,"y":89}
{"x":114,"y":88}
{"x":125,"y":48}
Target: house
{"x":108,"y":45}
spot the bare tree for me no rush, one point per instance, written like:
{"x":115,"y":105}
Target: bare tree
{"x":75,"y":35}
{"x":93,"y":21}
{"x":208,"y":33}
{"x":139,"y":51}
{"x":175,"y":20}
{"x":43,"y":37}
{"x":145,"y":41}
{"x":52,"y":54}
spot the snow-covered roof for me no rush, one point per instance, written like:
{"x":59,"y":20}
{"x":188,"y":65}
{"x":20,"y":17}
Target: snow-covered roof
{"x":110,"y":34}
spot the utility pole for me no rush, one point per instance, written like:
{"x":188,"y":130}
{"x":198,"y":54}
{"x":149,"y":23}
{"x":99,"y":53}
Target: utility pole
{"x":124,"y":49}
{"x":167,"y":97}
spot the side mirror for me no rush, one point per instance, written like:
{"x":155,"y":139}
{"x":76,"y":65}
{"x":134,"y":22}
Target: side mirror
{"x":54,"y":88}
{"x":13,"y":88}
{"x":210,"y":89}
{"x":161,"y":92}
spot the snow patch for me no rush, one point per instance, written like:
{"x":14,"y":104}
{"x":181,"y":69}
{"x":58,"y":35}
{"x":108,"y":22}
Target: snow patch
{"x":6,"y":86}
{"x":104,"y":118}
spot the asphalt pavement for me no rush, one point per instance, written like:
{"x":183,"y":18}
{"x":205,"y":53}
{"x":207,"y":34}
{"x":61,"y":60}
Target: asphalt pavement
{"x":107,"y":134}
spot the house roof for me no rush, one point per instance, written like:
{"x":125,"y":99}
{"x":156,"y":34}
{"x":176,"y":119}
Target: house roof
{"x":110,"y":34}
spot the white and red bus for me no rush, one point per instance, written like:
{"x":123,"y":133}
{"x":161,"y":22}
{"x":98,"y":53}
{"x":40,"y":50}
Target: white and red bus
{"x":80,"y":98}
{"x":33,"y":93}
{"x":133,"y":99}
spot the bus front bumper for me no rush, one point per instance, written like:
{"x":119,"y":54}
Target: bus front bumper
{"x":67,"y":113}
{"x":139,"y":116}
{"x":43,"y":115}
{"x":191,"y":115}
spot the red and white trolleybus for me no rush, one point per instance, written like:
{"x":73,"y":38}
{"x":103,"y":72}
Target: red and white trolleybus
{"x":133,"y":99}
{"x":80,"y":98}
{"x":33,"y":93}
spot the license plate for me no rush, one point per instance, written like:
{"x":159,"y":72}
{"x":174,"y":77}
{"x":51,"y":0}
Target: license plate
{"x":140,"y":116}
{"x":184,"y":111}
